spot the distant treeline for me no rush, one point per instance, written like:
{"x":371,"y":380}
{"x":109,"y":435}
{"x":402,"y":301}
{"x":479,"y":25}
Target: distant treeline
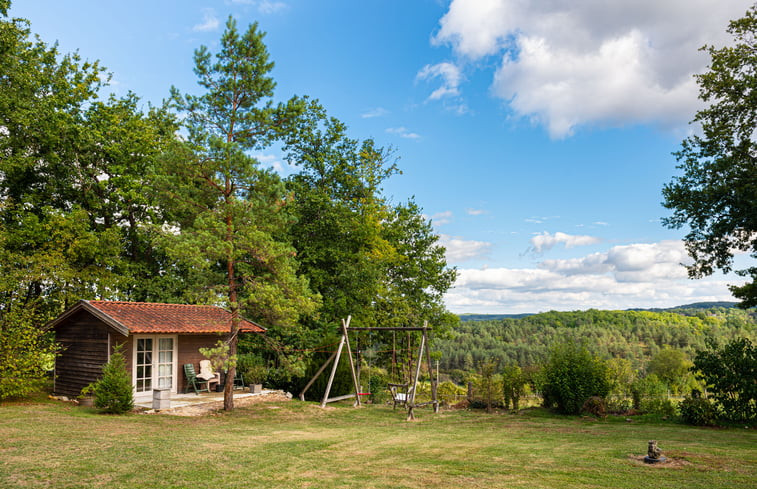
{"x":634,"y":335}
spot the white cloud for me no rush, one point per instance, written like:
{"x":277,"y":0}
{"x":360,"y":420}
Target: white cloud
{"x":566,"y":64}
{"x":270,"y":7}
{"x":403,"y":132}
{"x":377,"y":112}
{"x":540,"y":219}
{"x":459,"y":249}
{"x":475,"y":212}
{"x":264,"y":6}
{"x":209,"y":21}
{"x":441,"y":218}
{"x":635,"y":275}
{"x":450,"y":76}
{"x":545,"y":241}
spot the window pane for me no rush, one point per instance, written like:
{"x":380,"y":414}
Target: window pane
{"x":148,"y":357}
{"x":148,"y":384}
{"x":165,"y":344}
{"x":140,"y":372}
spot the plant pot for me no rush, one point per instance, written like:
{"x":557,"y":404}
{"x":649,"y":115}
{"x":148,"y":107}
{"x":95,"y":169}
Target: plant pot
{"x":219,"y":387}
{"x":88,"y":401}
{"x":256,"y":388}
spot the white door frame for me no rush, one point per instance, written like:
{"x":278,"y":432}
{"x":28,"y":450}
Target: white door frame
{"x":174,"y":369}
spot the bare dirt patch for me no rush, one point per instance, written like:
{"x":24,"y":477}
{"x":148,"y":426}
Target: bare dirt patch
{"x":670,"y":463}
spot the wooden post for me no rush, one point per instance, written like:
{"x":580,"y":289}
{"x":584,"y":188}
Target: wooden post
{"x":345,"y":325}
{"x":411,"y":400}
{"x":433,"y":382}
{"x":336,"y":363}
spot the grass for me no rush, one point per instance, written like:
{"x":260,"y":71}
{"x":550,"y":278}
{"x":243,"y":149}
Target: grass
{"x":294,"y":444}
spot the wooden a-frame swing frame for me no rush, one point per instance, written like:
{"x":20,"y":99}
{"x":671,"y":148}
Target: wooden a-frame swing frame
{"x":336,"y":356}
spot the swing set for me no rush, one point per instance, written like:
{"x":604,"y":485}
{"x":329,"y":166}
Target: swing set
{"x":401,"y":393}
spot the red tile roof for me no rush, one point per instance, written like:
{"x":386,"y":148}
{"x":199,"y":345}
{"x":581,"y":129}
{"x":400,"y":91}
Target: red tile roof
{"x":151,"y":317}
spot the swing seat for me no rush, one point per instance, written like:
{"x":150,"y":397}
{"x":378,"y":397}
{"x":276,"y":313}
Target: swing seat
{"x":399,"y":394}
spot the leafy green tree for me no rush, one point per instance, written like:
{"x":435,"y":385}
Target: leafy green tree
{"x":622,"y":375}
{"x":230,"y":210}
{"x":113,"y":186}
{"x":380,"y":264}
{"x":339,"y":214}
{"x":113,"y":391}
{"x":50,"y":255}
{"x":571,"y":376}
{"x":514,"y":382}
{"x":672,"y":367}
{"x":26,"y":352}
{"x":717,"y":194}
{"x":417,"y":276}
{"x":43,"y":97}
{"x":730,"y":374}
{"x":489,"y":384}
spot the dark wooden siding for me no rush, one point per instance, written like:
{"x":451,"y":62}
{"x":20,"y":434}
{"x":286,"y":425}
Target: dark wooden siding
{"x":84,"y":350}
{"x":189,"y":352}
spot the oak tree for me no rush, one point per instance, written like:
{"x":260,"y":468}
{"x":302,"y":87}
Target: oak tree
{"x":716,"y":196}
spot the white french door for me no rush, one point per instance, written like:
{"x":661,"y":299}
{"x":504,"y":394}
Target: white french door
{"x":154,"y":363}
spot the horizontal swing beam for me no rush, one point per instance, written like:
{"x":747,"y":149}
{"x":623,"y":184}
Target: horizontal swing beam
{"x":390,"y":328}
{"x":419,"y":404}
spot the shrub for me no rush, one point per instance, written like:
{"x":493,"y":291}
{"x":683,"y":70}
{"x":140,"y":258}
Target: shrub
{"x":595,"y":406}
{"x":113,"y":391}
{"x":448,"y":392}
{"x":698,"y":411}
{"x":650,"y":395}
{"x":571,"y":376}
{"x":252,"y":368}
{"x":730,"y":373}
{"x":619,"y":405}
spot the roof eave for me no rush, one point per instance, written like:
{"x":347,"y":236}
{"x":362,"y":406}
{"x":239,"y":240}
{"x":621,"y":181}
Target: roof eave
{"x":85,"y":305}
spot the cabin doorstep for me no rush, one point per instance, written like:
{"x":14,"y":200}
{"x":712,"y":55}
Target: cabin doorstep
{"x":157,"y":340}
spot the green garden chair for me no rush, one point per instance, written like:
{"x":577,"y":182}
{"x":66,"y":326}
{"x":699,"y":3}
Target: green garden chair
{"x":193,"y":381}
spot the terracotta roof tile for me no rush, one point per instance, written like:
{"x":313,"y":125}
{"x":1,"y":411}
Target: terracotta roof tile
{"x":151,"y":317}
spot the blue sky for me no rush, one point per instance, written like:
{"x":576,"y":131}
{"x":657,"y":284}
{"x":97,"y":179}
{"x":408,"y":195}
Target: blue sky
{"x":536,"y":137}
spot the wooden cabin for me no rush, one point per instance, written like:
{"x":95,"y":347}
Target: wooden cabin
{"x":157,"y":340}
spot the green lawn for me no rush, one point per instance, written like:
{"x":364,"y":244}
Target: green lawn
{"x":294,"y":444}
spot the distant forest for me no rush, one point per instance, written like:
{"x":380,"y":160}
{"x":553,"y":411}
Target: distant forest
{"x":633,"y":335}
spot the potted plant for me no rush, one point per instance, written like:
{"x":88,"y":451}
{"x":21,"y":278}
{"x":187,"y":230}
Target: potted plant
{"x":254,"y":376}
{"x":86,"y":396}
